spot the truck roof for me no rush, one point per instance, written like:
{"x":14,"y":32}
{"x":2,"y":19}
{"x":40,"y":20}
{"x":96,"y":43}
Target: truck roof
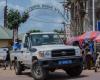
{"x":44,"y":33}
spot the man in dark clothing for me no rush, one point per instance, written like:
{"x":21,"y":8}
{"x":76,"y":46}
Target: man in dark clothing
{"x":91,"y":47}
{"x":7,"y":60}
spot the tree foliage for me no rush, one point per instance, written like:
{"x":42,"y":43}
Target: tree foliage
{"x":15,"y":18}
{"x":34,"y":30}
{"x":24,"y":17}
{"x":59,"y":31}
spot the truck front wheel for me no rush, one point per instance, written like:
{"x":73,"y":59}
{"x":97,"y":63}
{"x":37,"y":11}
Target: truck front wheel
{"x":18,"y":68}
{"x":74,"y":71}
{"x":38,"y":72}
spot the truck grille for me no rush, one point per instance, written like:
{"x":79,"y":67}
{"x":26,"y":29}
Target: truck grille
{"x":63,"y":52}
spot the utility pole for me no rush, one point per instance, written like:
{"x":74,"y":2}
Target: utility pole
{"x":64,"y":24}
{"x":5,"y":15}
{"x":66,"y":13}
{"x":66,"y":5}
{"x":93,"y":6}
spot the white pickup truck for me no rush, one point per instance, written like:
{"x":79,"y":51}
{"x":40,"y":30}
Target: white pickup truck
{"x":44,"y":52}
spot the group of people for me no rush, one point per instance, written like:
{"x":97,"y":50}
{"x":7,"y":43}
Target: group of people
{"x":7,"y":60}
{"x":88,"y":54}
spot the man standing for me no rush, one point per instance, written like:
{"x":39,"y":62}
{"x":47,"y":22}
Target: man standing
{"x":91,"y":47}
{"x":16,"y":45}
{"x":7,"y":60}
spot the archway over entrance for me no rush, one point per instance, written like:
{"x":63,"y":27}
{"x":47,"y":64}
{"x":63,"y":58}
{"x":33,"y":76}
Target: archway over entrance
{"x":50,"y":5}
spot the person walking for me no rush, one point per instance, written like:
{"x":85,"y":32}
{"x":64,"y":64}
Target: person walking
{"x":16,"y":47}
{"x":88,"y":56}
{"x":83,"y":54}
{"x":7,"y":61}
{"x":91,"y":47}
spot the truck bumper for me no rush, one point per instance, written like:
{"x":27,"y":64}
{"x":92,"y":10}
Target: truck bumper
{"x":62,"y":62}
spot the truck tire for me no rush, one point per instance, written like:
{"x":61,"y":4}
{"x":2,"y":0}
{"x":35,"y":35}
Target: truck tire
{"x":74,"y":71}
{"x":18,"y":68}
{"x":38,"y":73}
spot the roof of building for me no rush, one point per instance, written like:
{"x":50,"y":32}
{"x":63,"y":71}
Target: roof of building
{"x":5,"y":33}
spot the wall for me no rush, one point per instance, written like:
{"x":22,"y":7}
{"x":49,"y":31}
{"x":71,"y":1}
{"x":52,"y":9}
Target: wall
{"x":5,"y":43}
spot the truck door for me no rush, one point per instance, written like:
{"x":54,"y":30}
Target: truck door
{"x":27,"y":55}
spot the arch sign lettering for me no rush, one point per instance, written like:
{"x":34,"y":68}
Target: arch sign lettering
{"x":49,"y":7}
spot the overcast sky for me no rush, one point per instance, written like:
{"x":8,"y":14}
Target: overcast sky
{"x":45,"y":20}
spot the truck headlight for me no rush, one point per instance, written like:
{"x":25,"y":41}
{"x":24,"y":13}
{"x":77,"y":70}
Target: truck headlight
{"x":44,"y":54}
{"x":41,"y":54}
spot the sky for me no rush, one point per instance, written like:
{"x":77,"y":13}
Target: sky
{"x":42,"y":19}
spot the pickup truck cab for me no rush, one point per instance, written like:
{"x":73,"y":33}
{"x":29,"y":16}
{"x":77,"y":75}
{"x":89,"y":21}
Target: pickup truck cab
{"x":43,"y":52}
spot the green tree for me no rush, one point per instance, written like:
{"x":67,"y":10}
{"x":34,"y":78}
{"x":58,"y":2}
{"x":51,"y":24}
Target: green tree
{"x":33,"y":31}
{"x":59,"y":31}
{"x":15,"y":18}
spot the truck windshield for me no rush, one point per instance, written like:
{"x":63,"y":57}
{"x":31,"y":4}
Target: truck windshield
{"x":45,"y":39}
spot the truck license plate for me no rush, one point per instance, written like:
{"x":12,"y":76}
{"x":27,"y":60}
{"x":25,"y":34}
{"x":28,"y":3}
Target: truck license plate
{"x":65,"y":62}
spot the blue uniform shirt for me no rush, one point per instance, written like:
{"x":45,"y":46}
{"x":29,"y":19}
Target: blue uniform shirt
{"x":91,"y":47}
{"x":16,"y":46}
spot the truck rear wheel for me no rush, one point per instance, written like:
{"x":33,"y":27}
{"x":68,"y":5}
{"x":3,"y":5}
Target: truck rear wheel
{"x":74,"y":71}
{"x":18,"y":68}
{"x":38,"y":72}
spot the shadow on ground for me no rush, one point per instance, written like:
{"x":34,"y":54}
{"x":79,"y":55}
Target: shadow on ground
{"x":63,"y":76}
{"x":57,"y":76}
{"x":27,"y":74}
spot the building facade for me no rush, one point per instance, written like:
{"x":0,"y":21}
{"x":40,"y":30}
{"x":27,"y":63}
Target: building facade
{"x":81,"y":16}
{"x":5,"y":37}
{"x":97,"y":11}
{"x":78,"y":12}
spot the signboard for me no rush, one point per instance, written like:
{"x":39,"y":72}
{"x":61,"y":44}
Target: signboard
{"x":44,"y":6}
{"x":98,"y":25}
{"x":50,"y":5}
